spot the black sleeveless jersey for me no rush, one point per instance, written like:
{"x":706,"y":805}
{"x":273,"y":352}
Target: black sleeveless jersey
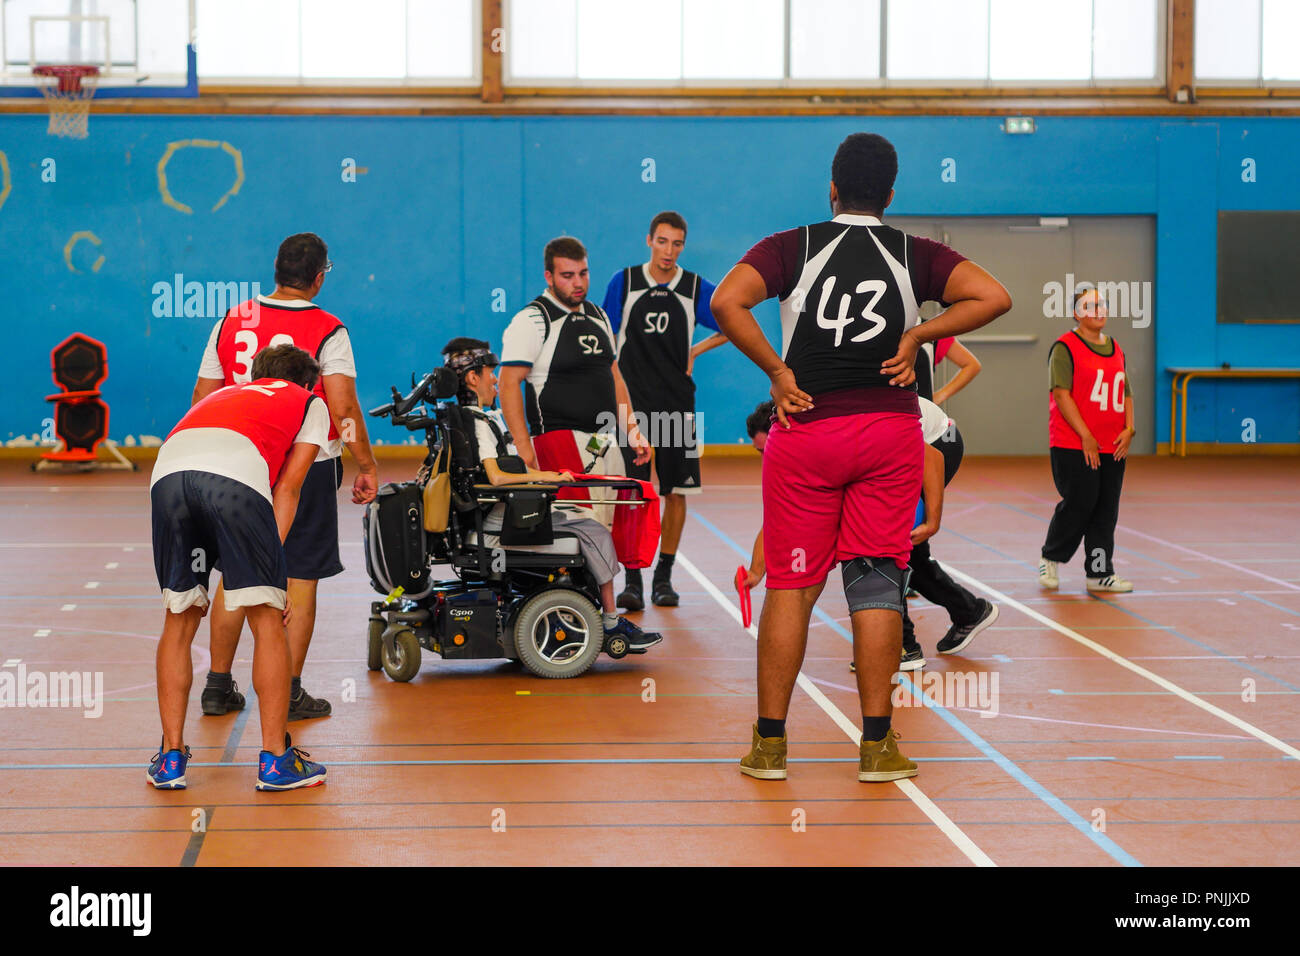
{"x":570,"y":384}
{"x":654,"y":340}
{"x":849,"y":306}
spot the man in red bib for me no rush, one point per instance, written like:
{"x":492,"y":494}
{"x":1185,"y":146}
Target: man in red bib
{"x":1090,"y":427}
{"x":224,"y":489}
{"x":311,"y":551}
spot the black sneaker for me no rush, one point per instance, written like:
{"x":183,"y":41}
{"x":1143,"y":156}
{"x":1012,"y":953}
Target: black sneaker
{"x":638,"y":641}
{"x":912,"y":659}
{"x":663,"y":594}
{"x":958,"y":637}
{"x":214,"y":701}
{"x":307,"y":707}
{"x":632,"y":598}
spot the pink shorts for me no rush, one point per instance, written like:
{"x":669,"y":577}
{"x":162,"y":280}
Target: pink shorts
{"x":839,"y":488}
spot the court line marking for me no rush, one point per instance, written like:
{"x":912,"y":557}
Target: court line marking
{"x":927,"y":806}
{"x":1124,"y":662}
{"x":1004,"y":763}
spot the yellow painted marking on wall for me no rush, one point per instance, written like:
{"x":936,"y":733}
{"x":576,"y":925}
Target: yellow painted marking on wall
{"x":5,"y":183}
{"x":173,"y":148}
{"x":87,"y":236}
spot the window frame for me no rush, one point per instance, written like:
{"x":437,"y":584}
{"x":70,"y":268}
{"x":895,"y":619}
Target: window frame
{"x":787,"y":85}
{"x":410,"y":85}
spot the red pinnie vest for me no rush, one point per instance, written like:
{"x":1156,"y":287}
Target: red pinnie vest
{"x":268,"y":412}
{"x":1098,"y":390}
{"x":252,"y":326}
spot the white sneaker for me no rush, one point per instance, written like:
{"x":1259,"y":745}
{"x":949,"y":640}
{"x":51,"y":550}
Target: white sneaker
{"x":1111,"y":582}
{"x":1047,"y":576}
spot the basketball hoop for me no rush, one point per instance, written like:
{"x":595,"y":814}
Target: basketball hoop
{"x":69,"y":93}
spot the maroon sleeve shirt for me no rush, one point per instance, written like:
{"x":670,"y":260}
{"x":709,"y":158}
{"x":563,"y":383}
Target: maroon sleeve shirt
{"x":776,"y":259}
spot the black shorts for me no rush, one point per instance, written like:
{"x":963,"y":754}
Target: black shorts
{"x":677,"y":453}
{"x":201,"y":518}
{"x":312,"y":547}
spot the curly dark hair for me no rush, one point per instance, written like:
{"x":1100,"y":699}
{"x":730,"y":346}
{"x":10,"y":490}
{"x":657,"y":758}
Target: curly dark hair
{"x":863,"y":171}
{"x":760,"y":419}
{"x":288,"y":363}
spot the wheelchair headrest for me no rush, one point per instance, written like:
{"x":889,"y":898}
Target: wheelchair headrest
{"x":446,"y":383}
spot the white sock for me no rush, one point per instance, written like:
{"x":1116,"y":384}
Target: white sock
{"x":611,"y":621}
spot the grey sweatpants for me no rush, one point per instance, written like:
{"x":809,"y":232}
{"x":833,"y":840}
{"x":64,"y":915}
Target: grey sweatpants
{"x":594,"y":541}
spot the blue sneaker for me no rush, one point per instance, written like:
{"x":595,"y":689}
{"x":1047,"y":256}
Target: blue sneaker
{"x":638,"y":641}
{"x":167,"y":770}
{"x":289,"y":771}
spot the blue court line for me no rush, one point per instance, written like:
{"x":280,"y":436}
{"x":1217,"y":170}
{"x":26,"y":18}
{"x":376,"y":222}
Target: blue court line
{"x":1116,"y":852}
{"x":1191,"y":640}
{"x":1269,"y":603}
{"x":726,"y":761}
{"x":1146,"y":620}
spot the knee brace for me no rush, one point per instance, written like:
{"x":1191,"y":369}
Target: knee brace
{"x":874,"y":583}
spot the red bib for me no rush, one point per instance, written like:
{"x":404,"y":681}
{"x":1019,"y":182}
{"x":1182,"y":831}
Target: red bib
{"x":1098,"y":390}
{"x":268,"y":412}
{"x":253,"y":326}
{"x":636,"y":527}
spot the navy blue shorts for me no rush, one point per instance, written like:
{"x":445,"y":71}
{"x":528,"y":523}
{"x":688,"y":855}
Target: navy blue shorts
{"x":312,"y":548}
{"x":200,"y":519}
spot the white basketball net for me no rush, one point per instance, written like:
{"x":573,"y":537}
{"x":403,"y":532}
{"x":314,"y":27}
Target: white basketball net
{"x":69,"y":108}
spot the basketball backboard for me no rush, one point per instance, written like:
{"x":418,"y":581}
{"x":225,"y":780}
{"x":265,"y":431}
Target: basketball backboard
{"x":143,"y":48}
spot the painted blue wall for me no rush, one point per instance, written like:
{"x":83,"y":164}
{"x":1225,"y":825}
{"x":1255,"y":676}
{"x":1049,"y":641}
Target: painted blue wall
{"x":447,"y":210}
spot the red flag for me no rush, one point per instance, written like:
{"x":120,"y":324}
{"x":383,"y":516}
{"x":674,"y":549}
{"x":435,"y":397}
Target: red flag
{"x":746,"y":609}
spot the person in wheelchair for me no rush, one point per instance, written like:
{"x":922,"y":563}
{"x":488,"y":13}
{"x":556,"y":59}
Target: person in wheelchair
{"x":475,"y":367}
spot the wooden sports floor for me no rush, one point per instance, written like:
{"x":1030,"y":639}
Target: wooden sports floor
{"x":1157,"y":728}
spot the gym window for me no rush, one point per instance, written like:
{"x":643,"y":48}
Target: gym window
{"x":967,"y":43}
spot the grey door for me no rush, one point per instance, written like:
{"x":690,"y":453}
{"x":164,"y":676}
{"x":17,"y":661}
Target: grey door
{"x":1004,"y":412}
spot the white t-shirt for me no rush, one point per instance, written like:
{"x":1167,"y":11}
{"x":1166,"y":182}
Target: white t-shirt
{"x":934,"y":421}
{"x":335,"y":359}
{"x":222,"y":451}
{"x":487,"y":441}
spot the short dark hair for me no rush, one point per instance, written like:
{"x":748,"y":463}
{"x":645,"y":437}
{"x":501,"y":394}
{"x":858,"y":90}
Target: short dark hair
{"x":287,"y":362}
{"x":565,"y":247}
{"x":760,"y":419}
{"x":301,"y":258}
{"x":667,"y":218}
{"x":863,"y":171}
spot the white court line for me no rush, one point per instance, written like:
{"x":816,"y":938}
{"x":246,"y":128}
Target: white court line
{"x":42,"y":632}
{"x":913,"y":792}
{"x":1207,"y":557}
{"x":91,"y":585}
{"x":111,"y":566}
{"x":1129,"y":665}
{"x":68,"y":607}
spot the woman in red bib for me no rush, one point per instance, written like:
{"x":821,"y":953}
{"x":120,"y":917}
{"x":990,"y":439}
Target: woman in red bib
{"x":1090,"y":429}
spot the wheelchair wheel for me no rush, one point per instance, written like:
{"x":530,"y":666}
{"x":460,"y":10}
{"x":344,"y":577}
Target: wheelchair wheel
{"x":559,"y":633}
{"x":404,"y":662}
{"x":375,"y":644}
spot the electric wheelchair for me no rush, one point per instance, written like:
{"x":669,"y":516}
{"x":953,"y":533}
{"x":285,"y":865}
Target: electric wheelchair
{"x":522,"y":593}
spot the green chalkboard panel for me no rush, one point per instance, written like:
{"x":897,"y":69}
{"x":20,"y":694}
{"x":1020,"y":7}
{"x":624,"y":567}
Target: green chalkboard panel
{"x":1259,"y":259}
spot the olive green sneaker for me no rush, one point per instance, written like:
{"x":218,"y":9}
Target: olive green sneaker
{"x":879,"y":760}
{"x":766,"y":758}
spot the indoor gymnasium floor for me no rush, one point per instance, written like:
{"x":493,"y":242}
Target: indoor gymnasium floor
{"x":1157,"y":728}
